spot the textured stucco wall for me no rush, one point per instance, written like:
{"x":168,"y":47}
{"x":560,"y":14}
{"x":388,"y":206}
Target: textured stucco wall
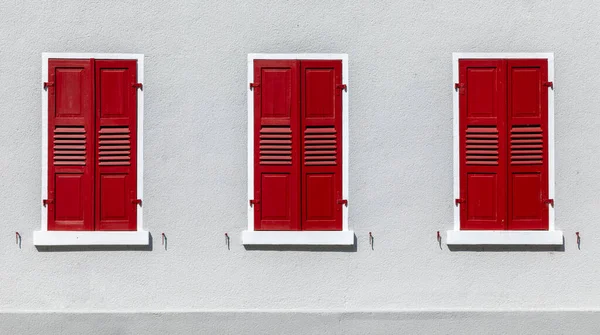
{"x":400,"y":156}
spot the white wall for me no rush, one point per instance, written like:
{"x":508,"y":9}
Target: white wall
{"x":400,"y":158}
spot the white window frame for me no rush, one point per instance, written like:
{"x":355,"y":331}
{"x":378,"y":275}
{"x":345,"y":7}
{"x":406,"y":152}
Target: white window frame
{"x":44,"y":237}
{"x":252,"y":237}
{"x":503,"y":237}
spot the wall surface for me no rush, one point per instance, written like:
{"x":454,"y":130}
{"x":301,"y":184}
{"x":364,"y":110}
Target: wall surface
{"x":400,"y":170}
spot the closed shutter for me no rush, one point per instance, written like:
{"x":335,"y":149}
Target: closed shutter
{"x":276,"y":145}
{"x":116,"y":134}
{"x":70,"y":143}
{"x":528,"y":146}
{"x":482,"y":127}
{"x":321,"y":98}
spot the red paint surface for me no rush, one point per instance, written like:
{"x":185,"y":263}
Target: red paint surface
{"x":503,"y":120}
{"x":116,"y":129}
{"x":298,"y":142}
{"x":70,"y":145}
{"x":92,"y":149}
{"x":276,"y":145}
{"x":321,"y":107}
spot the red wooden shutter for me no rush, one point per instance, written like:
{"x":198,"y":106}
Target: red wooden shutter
{"x":482,"y":124}
{"x":528,"y":154}
{"x":276,"y":145}
{"x":322,"y":144}
{"x":116,"y":129}
{"x":70,"y":145}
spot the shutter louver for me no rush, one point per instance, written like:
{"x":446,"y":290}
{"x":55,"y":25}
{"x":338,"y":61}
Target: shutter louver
{"x":116,"y":130}
{"x":70,"y":160}
{"x":322,"y":138}
{"x":482,"y":120}
{"x":276,"y":145}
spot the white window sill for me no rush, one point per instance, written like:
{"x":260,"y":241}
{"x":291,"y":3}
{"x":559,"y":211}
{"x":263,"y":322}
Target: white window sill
{"x":504,"y":237}
{"x":297,"y":237}
{"x":48,"y":238}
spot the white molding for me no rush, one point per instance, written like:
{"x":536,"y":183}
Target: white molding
{"x":455,"y":117}
{"x":56,"y":238}
{"x":504,"y":237}
{"x":345,"y":127}
{"x":140,"y":131}
{"x":297,"y":237}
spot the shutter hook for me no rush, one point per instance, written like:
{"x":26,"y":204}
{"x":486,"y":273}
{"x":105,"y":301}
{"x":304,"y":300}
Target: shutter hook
{"x":578,"y":240}
{"x":18,"y":239}
{"x":439,"y":239}
{"x":227,"y":240}
{"x":164,"y":240}
{"x":371,"y":240}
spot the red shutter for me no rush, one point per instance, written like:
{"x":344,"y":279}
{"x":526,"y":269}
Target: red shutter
{"x":528,"y":147}
{"x":116,"y":128}
{"x":482,"y":124}
{"x":276,"y":145}
{"x":322,"y":144}
{"x":70,"y":145}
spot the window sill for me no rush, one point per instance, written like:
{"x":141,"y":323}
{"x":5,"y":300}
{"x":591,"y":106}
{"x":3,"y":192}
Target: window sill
{"x":503,"y":237}
{"x":49,"y":238}
{"x":297,"y":237}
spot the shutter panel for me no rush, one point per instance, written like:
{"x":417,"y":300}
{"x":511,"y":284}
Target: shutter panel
{"x":70,"y":145}
{"x":276,"y":145}
{"x":482,"y":124}
{"x":116,"y":129}
{"x":528,"y":144}
{"x":321,"y":144}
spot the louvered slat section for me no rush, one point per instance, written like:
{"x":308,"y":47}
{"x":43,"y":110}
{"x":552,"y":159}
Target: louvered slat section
{"x":275,"y":145}
{"x":320,"y":146}
{"x":526,"y":145}
{"x":114,"y":146}
{"x":69,"y":145}
{"x":482,"y":145}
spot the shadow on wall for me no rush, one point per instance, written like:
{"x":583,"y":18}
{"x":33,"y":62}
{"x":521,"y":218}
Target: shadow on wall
{"x":310,"y":248}
{"x":509,"y":248}
{"x":67,"y":248}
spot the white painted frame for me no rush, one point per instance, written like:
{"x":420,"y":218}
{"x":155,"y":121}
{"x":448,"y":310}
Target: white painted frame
{"x":343,"y":237}
{"x":503,"y":237}
{"x":43,"y":237}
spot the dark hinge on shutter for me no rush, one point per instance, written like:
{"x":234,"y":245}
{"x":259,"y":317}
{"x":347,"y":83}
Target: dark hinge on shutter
{"x":137,"y":202}
{"x":548,"y":84}
{"x":254,"y":202}
{"x":549,"y":202}
{"x":343,"y":202}
{"x":342,"y":87}
{"x":138,"y":85}
{"x":48,"y":84}
{"x":459,"y":201}
{"x":460,"y":86}
{"x":252,"y":85}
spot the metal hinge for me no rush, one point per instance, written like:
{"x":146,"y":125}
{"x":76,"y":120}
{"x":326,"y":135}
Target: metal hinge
{"x":138,"y":85}
{"x":342,"y":87}
{"x":548,"y":84}
{"x":47,"y":201}
{"x":549,"y":202}
{"x":459,"y":87}
{"x":253,"y":85}
{"x":48,"y":84}
{"x":137,"y":202}
{"x":459,"y":201}
{"x":254,"y":202}
{"x":342,"y":202}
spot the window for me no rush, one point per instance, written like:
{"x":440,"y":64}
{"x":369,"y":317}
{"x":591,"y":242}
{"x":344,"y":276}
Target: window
{"x":504,"y":182}
{"x":91,"y":150}
{"x":297,"y":150}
